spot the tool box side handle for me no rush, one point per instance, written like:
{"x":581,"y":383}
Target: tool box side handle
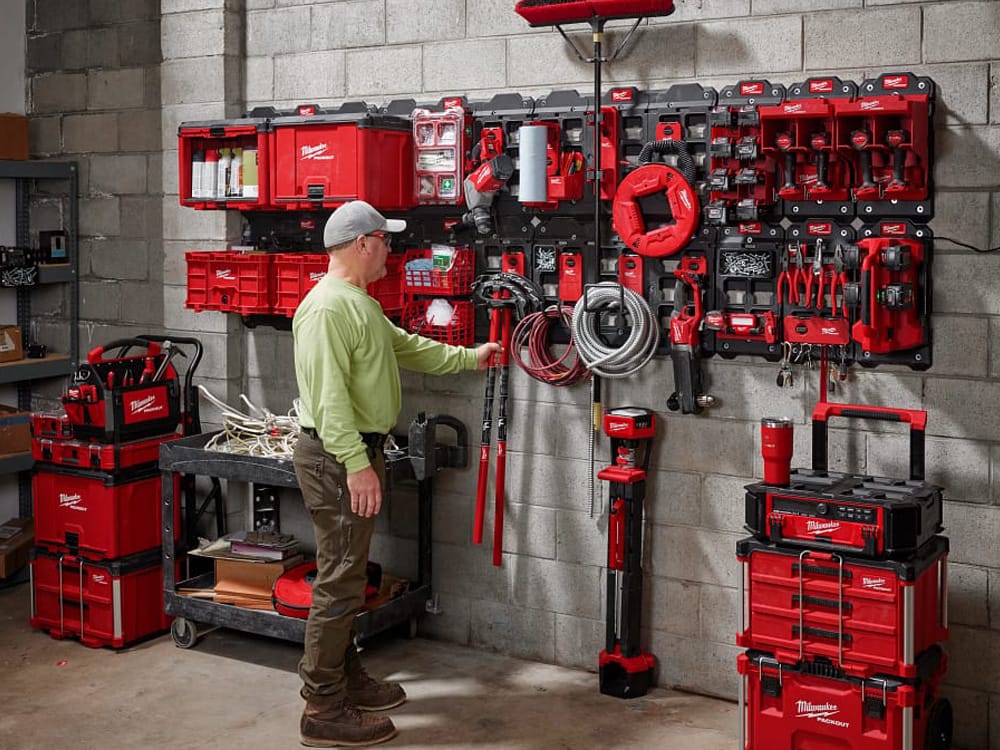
{"x":96,"y":354}
{"x":916,"y":418}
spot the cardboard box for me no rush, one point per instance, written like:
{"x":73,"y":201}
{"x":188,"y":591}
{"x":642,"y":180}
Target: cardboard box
{"x":15,"y":430}
{"x":13,"y":136}
{"x":248,"y":583}
{"x":16,"y":537}
{"x":10,"y":344}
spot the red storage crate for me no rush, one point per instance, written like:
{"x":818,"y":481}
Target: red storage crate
{"x":250,"y":133}
{"x":460,"y":331}
{"x":111,"y":457}
{"x":456,"y":280}
{"x":110,"y":603}
{"x":51,"y":426}
{"x":294,"y":275}
{"x":99,"y":516}
{"x":388,"y":291}
{"x":230,"y":282}
{"x":327,"y":159}
{"x":786,"y":708}
{"x":865,"y":616}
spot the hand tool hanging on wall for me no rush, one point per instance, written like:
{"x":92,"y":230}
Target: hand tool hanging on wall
{"x":685,"y":338}
{"x":534,"y":333}
{"x":481,"y":188}
{"x":504,"y":294}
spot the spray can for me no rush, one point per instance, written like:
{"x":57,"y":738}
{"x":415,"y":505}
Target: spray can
{"x":209,"y":174}
{"x":222,"y":180}
{"x":197,"y":170}
{"x":250,"y":178}
{"x":236,"y":174}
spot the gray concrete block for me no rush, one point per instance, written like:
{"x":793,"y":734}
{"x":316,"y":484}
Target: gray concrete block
{"x":672,"y":605}
{"x":719,"y":614}
{"x":971,"y":708}
{"x":453,"y":623}
{"x":723,"y":504}
{"x":90,"y":48}
{"x":183,"y":223}
{"x":139,"y":130}
{"x":193,"y":34}
{"x":221,"y":360}
{"x":763,"y":45}
{"x":260,"y":4}
{"x":672,"y":497}
{"x":968,"y":600}
{"x":173,"y":115}
{"x":961,"y":31}
{"x":525,"y":633}
{"x":748,"y":390}
{"x":861,"y":38}
{"x":269,"y":353}
{"x":661,"y":51}
{"x":702,"y":666}
{"x":118,"y":174}
{"x":966,"y":157}
{"x":962,"y":92}
{"x":974,"y":658}
{"x":958,"y":410}
{"x":178,"y":318}
{"x":553,"y":586}
{"x":309,"y":76}
{"x":953,"y":354}
{"x":44,"y":53}
{"x":58,"y":92}
{"x":701,"y":10}
{"x":117,"y":11}
{"x":561,"y":68}
{"x":765,"y":7}
{"x":962,"y":467}
{"x":348,"y":24}
{"x":452,"y":515}
{"x":716,"y":446}
{"x":484,"y":63}
{"x":171,"y":181}
{"x":963,"y":216}
{"x":151,"y":86}
{"x":120,"y":259}
{"x":137,"y":307}
{"x":993,"y":577}
{"x":185,"y":6}
{"x":578,"y":641}
{"x":45,"y":135}
{"x":977,"y":526}
{"x":408,"y":21}
{"x":962,"y":284}
{"x":174,"y":266}
{"x":259,"y":80}
{"x":115,"y":89}
{"x":694,"y":554}
{"x":529,"y":531}
{"x":539,"y":480}
{"x":193,"y":81}
{"x":90,"y":133}
{"x":492,"y":18}
{"x":581,"y":538}
{"x":57,"y":16}
{"x":478,"y":578}
{"x":99,"y":216}
{"x":277,"y":32}
{"x":384,"y":71}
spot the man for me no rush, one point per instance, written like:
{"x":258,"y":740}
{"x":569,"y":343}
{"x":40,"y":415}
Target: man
{"x":347,"y":359}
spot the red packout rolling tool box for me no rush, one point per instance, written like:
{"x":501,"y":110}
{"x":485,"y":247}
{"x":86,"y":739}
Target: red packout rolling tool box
{"x":855,"y":515}
{"x":125,"y":397}
{"x":103,"y":603}
{"x":864,"y":616}
{"x":99,"y":516}
{"x":325,"y":159}
{"x":793,"y":708}
{"x":111,"y":457}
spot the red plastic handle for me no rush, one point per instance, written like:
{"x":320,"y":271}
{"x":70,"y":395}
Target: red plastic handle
{"x":916,"y":418}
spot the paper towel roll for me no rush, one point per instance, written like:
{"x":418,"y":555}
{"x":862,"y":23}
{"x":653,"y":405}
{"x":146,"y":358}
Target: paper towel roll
{"x":533,"y":182}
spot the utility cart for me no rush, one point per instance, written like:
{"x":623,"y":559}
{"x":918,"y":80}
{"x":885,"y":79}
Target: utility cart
{"x":418,"y":458}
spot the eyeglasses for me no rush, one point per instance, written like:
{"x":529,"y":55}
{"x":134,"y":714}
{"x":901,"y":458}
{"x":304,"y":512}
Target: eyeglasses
{"x":384,"y":236}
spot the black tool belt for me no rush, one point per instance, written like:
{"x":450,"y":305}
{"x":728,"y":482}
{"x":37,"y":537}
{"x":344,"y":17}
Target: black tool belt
{"x":374,"y":441}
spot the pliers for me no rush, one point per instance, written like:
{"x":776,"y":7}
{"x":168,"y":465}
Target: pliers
{"x":838,"y":278}
{"x":794,"y":277}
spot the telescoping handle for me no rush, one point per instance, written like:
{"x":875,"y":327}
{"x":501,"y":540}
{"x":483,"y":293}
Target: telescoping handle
{"x":917,"y":419}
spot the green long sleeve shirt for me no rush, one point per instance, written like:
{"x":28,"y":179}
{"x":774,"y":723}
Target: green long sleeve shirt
{"x":347,"y":360}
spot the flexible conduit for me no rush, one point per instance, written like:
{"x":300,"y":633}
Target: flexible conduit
{"x":637,"y":349}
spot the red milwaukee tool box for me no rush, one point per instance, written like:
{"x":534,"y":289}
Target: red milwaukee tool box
{"x":790,"y":708}
{"x":97,"y":515}
{"x":52,"y":426}
{"x":111,"y":457}
{"x":224,"y":164}
{"x":329,"y":158}
{"x":865,"y":616}
{"x":125,"y":397}
{"x":109,"y":603}
{"x":294,"y":275}
{"x":230,"y":282}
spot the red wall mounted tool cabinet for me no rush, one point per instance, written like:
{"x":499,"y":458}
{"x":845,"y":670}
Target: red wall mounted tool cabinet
{"x":103,"y":603}
{"x":864,"y":616}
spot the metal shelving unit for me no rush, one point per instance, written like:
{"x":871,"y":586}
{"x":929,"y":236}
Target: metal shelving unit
{"x":26,"y":174}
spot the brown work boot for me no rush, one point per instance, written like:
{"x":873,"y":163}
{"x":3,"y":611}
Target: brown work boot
{"x":339,"y":724}
{"x":367,"y":693}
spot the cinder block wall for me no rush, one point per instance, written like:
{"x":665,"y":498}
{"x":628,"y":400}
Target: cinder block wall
{"x":547,"y":601}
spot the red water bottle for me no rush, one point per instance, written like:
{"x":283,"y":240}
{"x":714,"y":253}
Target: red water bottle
{"x":776,"y":435}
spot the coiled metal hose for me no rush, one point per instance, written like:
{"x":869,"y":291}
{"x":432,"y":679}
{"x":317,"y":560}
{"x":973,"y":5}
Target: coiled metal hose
{"x":637,"y":349}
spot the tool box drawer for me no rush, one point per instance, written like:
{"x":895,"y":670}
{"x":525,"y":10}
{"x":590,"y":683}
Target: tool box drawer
{"x":99,"y":516}
{"x":294,"y":275}
{"x":210,"y":177}
{"x":111,"y":603}
{"x":111,"y":457}
{"x":865,"y":616}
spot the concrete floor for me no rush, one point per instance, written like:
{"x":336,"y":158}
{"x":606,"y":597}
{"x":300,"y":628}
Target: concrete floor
{"x":235,"y":691}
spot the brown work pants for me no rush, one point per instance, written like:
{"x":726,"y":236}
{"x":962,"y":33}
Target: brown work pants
{"x":343,"y":540}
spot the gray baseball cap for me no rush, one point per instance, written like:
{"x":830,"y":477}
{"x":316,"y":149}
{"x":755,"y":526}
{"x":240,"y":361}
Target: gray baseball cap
{"x":354,"y":219}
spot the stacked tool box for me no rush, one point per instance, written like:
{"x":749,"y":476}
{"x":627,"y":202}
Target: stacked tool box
{"x":844,"y":605}
{"x":96,"y":570}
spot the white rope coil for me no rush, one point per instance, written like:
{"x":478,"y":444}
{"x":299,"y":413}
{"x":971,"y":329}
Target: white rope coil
{"x":637,"y":349}
{"x":256,"y":433}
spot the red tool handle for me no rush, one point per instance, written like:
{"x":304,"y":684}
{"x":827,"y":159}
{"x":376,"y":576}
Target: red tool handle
{"x":917,"y":419}
{"x":500,"y":478}
{"x":487,"y":436}
{"x":616,"y":535}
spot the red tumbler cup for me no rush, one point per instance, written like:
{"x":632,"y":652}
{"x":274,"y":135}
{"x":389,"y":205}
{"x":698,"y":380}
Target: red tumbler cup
{"x":776,"y":447}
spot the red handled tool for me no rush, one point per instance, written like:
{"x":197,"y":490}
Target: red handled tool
{"x":487,"y":435}
{"x":501,"y":473}
{"x":685,"y":338}
{"x":896,"y":140}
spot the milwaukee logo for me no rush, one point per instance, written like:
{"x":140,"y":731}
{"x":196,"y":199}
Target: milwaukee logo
{"x":875,"y":584}
{"x":225,"y":273}
{"x":452,"y":102}
{"x":754,"y":88}
{"x":893,"y":229}
{"x":821,"y":87}
{"x":896,"y":82}
{"x":621,"y":95}
{"x":822,"y":712}
{"x":316,"y":153}
{"x":873,"y":104}
{"x":829,"y":331}
{"x":147,"y":405}
{"x":749,"y":229}
{"x":793,"y":108}
{"x":99,"y":578}
{"x":316,"y":277}
{"x":819,"y":228}
{"x":618,"y":426}
{"x":71,"y":501}
{"x":822,"y":527}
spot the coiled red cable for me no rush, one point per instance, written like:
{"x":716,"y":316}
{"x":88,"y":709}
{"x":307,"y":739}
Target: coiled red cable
{"x":534,"y":332}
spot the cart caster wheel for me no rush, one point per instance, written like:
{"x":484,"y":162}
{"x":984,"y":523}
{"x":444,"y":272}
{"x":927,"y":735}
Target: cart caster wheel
{"x":940,"y":724}
{"x":184,"y":632}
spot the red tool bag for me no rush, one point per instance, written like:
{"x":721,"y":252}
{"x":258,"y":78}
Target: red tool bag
{"x":292,"y":595}
{"x":125,"y":397}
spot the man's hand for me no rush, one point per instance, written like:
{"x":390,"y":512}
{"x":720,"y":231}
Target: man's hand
{"x":366,"y":492}
{"x":484,"y":352}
